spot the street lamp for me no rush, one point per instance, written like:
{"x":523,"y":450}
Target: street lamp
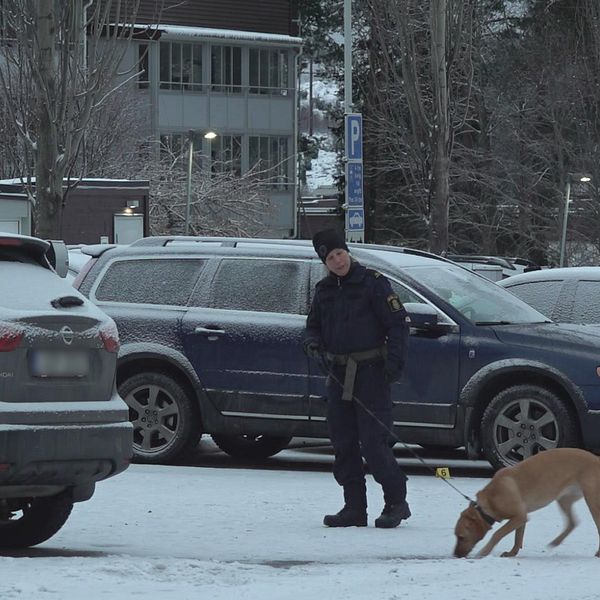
{"x":563,"y":237}
{"x":209,"y":135}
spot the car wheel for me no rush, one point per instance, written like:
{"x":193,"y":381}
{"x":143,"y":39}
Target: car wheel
{"x":165,"y":420}
{"x":524,"y":420}
{"x":251,"y":446}
{"x":29,"y":521}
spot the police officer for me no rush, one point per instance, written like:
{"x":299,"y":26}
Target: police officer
{"x":358,"y":326}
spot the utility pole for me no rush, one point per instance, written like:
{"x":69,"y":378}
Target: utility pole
{"x":347,"y":56}
{"x":354,"y":205}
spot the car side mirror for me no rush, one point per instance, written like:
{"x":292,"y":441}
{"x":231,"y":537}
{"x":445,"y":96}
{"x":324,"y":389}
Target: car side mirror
{"x":422,"y":316}
{"x":58,"y":257}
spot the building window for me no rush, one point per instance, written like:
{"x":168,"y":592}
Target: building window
{"x":175,"y":147}
{"x":226,"y":69}
{"x":226,"y":154}
{"x":268,"y":156}
{"x":173,"y":144}
{"x":143,"y":66}
{"x":268,"y":72}
{"x":180,"y":66}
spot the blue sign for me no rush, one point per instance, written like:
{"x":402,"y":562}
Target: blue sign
{"x":353,"y":136}
{"x":356,"y":219}
{"x":354,"y":184}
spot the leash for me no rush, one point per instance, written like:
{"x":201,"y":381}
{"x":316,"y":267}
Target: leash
{"x":394,"y":436}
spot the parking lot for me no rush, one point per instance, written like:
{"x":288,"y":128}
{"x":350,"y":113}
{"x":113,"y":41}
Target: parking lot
{"x":225,"y":530}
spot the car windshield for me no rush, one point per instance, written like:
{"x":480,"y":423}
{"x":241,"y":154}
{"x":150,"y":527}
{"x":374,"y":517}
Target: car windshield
{"x":478,"y":299}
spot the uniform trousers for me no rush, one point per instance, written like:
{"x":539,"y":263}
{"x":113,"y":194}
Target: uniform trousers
{"x":355,"y":434}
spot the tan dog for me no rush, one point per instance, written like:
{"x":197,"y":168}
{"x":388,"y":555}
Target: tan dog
{"x":561,"y":474}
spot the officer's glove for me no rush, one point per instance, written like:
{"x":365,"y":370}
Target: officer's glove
{"x":393,"y":372}
{"x":313,"y":349}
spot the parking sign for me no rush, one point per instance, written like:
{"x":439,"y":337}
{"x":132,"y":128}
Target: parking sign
{"x":354,"y":136}
{"x":354,"y":183}
{"x":356,"y":219}
{"x":355,"y":203}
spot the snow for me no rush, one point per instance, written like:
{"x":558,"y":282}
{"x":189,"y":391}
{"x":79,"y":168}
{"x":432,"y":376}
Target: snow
{"x":182,"y":31}
{"x":322,"y":171}
{"x":324,"y":90}
{"x":323,"y":168}
{"x":175,"y":532}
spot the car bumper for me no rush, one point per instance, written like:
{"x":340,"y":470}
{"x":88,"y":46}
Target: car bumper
{"x":38,"y":460}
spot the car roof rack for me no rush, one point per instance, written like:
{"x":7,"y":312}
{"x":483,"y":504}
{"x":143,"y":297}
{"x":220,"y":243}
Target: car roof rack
{"x":156,"y":241}
{"x":232,"y":242}
{"x":166,"y":240}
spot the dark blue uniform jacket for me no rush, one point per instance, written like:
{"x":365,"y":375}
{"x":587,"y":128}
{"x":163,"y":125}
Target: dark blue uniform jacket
{"x":358,"y":312}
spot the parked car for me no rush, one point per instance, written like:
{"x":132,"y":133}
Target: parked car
{"x":76,"y":261}
{"x":63,"y":426}
{"x":495,"y":268}
{"x":211,"y":332}
{"x":567,"y":295}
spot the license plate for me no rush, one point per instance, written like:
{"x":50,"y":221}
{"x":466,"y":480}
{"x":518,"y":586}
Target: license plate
{"x":59,"y":363}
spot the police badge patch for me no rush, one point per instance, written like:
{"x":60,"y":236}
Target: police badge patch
{"x":394,"y":302}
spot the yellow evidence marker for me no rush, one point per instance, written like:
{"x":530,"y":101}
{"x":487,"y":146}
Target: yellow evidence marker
{"x":443,"y":472}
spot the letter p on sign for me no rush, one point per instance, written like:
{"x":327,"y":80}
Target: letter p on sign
{"x":354,"y":136}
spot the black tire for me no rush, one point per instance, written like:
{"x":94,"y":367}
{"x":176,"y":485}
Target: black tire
{"x":523,"y":420}
{"x":166,"y":423}
{"x":29,"y":521}
{"x":251,"y":446}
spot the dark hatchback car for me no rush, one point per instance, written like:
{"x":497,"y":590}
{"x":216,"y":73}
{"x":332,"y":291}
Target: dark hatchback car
{"x":211,"y":333}
{"x":567,"y":295}
{"x":63,"y":426}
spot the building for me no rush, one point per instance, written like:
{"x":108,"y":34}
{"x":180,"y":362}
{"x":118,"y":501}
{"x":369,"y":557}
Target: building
{"x":96,"y":211}
{"x":228,"y":67}
{"x":222,"y":66}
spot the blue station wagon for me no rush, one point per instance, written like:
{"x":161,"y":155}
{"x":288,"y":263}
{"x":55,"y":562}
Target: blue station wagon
{"x":211,"y":332}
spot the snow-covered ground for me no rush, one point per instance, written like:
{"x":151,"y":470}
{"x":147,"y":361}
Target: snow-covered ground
{"x":324,"y":90}
{"x":323,"y":170}
{"x":179,"y":533}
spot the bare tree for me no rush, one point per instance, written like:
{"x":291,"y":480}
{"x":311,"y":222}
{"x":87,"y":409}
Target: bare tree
{"x":57,"y":69}
{"x":418,"y":94}
{"x":222,"y":202}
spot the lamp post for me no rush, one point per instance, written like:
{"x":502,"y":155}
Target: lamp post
{"x":209,"y":135}
{"x":563,"y":237}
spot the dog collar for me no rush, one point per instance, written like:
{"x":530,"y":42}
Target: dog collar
{"x":489,"y":520}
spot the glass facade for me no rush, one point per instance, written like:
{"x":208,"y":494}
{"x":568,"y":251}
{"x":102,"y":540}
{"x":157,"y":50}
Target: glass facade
{"x":268,"y":71}
{"x":268,"y":156}
{"x":180,"y":66}
{"x":244,"y":92}
{"x":226,"y":154}
{"x":226,"y":69}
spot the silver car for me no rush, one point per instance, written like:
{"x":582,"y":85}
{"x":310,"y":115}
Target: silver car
{"x":63,"y":426}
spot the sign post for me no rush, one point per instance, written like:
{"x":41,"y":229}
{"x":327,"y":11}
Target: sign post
{"x":355,"y":204}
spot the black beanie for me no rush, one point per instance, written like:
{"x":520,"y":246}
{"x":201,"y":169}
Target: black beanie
{"x":327,"y":240}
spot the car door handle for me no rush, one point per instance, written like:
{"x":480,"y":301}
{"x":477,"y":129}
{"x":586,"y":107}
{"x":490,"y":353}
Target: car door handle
{"x":209,"y":331}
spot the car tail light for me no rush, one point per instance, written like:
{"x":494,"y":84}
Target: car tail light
{"x":82,"y":273}
{"x":4,"y":241}
{"x":10,"y":338}
{"x":110,"y":337}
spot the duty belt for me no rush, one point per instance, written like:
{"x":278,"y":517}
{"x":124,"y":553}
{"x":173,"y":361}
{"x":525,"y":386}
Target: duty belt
{"x":351,"y":361}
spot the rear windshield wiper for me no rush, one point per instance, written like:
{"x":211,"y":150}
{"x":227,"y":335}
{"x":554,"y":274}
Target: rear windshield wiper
{"x":66,"y":301}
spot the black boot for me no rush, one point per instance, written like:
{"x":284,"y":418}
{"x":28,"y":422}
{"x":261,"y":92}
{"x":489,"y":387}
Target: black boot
{"x":347,"y":517}
{"x":392,"y":515}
